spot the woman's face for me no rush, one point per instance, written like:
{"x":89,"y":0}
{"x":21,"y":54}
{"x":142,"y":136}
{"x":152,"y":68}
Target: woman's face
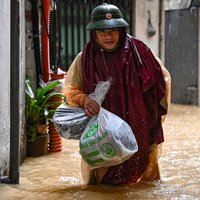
{"x":108,"y":38}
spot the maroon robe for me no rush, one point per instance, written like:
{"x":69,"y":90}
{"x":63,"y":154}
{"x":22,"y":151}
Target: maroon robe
{"x":135,"y":95}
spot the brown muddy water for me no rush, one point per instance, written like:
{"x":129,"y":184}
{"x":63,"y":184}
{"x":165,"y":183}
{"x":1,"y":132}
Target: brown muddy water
{"x":57,"y":175}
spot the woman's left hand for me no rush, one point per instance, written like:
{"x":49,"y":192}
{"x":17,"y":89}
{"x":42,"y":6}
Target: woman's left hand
{"x":91,"y":107}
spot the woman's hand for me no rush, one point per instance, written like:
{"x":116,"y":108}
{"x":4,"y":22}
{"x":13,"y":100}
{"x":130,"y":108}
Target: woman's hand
{"x":91,"y":107}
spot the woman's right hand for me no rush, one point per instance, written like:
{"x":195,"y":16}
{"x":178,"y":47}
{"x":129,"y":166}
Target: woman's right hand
{"x":90,"y":106}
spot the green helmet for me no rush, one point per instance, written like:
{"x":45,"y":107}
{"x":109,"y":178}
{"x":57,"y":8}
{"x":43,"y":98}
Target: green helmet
{"x":106,"y":16}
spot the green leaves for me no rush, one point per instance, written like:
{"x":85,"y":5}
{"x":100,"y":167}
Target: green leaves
{"x":28,"y":89}
{"x":37,"y":105}
{"x":41,"y":92}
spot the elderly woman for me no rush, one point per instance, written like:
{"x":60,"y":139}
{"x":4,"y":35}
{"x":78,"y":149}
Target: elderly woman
{"x":137,"y":95}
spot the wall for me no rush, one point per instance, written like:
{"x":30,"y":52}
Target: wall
{"x":198,"y":58}
{"x":4,"y":86}
{"x":22,"y":69}
{"x":156,"y":42}
{"x":30,"y":59}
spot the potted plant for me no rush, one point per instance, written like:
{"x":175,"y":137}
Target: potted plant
{"x":38,"y":113}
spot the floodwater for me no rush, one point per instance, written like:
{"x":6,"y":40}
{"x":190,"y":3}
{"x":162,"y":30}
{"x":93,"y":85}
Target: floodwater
{"x":57,"y":175}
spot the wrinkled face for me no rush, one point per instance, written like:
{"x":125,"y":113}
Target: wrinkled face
{"x":108,"y":38}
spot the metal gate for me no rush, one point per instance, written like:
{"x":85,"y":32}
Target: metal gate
{"x":181,"y":54}
{"x":72,"y":16}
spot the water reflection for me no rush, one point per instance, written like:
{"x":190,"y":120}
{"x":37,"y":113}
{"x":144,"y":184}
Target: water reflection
{"x":57,"y":175}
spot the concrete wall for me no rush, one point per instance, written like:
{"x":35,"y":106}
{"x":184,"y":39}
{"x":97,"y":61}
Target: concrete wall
{"x":198,"y":58}
{"x":30,"y":59}
{"x":22,"y":70}
{"x":4,"y":86}
{"x":156,"y":9}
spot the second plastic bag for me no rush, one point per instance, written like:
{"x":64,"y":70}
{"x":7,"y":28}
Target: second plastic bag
{"x":107,"y":140}
{"x":70,"y":121}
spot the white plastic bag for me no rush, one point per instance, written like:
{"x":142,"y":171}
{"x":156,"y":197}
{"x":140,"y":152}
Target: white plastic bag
{"x":107,"y":140}
{"x":70,"y":121}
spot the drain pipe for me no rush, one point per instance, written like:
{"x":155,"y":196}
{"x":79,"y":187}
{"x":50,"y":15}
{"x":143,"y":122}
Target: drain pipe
{"x":45,"y":18}
{"x":15,"y":91}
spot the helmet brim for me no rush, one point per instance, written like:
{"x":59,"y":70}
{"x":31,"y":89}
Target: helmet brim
{"x":106,"y":24}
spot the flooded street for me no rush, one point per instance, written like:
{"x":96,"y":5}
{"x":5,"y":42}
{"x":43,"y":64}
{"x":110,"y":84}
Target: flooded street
{"x":57,"y":175}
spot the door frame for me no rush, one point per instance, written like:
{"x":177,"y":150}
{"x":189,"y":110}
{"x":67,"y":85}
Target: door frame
{"x":13,"y":176}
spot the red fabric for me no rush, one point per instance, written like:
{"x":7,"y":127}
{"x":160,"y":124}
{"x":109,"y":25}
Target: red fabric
{"x":134,"y":96}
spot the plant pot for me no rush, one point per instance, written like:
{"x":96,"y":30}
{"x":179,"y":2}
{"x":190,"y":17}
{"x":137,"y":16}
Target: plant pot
{"x":42,"y":128}
{"x":39,"y":147}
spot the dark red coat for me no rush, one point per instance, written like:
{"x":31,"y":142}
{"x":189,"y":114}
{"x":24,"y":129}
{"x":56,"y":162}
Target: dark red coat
{"x":138,"y":87}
